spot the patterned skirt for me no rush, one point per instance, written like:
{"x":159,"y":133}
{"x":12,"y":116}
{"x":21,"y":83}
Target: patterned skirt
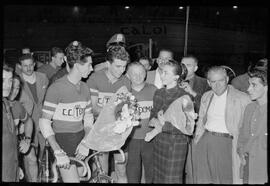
{"x":170,"y":152}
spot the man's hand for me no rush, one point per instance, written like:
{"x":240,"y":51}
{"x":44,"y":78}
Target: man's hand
{"x":24,"y":146}
{"x":82,"y":151}
{"x":186,"y":86}
{"x":62,"y":159}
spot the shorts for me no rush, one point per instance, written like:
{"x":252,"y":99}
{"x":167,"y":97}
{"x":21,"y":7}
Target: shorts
{"x":69,"y":142}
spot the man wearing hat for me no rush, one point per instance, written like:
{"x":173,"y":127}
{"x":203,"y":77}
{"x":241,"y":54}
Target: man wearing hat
{"x":116,"y":39}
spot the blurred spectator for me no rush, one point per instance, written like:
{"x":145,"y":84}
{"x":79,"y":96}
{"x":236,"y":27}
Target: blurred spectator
{"x":10,"y":166}
{"x":241,"y":82}
{"x":57,"y":59}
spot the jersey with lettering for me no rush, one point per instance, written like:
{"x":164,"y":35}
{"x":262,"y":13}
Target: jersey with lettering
{"x":101,"y":86}
{"x":145,"y":103}
{"x":67,"y":105}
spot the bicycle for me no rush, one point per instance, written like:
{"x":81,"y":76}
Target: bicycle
{"x":97,"y":176}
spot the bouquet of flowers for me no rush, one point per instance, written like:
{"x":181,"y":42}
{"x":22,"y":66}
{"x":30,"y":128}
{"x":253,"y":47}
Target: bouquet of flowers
{"x":114,"y":123}
{"x":180,"y":114}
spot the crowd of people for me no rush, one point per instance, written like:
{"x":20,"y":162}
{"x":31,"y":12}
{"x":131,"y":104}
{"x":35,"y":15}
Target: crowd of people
{"x":59,"y":105}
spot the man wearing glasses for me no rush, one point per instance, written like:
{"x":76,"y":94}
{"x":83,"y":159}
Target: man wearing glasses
{"x":153,"y":77}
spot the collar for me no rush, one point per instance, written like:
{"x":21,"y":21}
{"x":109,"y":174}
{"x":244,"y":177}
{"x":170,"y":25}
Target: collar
{"x":30,"y":79}
{"x":222,"y":95}
{"x":112,"y":79}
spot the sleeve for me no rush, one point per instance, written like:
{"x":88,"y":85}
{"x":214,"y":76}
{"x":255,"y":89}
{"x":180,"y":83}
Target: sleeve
{"x":51,"y":99}
{"x":244,"y":131}
{"x":92,"y":85}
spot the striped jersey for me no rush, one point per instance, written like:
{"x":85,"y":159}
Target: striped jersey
{"x":67,"y":105}
{"x":145,"y":105}
{"x":101,"y":86}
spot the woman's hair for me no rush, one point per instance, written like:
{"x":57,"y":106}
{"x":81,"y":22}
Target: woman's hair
{"x":117,"y":52}
{"x":179,"y":69}
{"x":77,"y":53}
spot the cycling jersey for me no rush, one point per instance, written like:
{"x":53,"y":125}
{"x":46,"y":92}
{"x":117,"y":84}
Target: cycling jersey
{"x":67,"y":105}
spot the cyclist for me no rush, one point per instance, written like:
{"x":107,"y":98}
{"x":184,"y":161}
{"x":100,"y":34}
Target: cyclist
{"x":68,"y":104}
{"x":103,"y":84}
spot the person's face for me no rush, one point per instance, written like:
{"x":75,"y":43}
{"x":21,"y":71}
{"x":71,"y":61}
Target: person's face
{"x":117,"y":67}
{"x":191,"y":66}
{"x":168,"y":76}
{"x":136,"y":74}
{"x":145,"y":63}
{"x":27,"y":66}
{"x":164,"y":56}
{"x":7,"y":83}
{"x":58,"y":59}
{"x":15,"y":89}
{"x":256,"y":89}
{"x":218,"y":81}
{"x":85,"y":68}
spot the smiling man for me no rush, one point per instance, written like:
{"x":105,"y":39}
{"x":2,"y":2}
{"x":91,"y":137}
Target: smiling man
{"x":103,"y":84}
{"x":220,"y":115}
{"x":252,"y":141}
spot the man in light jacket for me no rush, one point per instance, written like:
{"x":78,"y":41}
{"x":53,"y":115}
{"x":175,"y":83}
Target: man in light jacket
{"x":220,"y":115}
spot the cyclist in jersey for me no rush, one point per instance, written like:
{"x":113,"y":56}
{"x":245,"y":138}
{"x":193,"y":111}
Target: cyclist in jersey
{"x":68,"y":106}
{"x":103,"y":84}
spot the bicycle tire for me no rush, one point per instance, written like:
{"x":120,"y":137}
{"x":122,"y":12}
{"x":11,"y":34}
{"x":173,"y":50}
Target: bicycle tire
{"x":102,"y":179}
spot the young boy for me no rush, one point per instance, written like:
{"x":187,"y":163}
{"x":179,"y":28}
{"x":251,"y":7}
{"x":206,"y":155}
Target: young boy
{"x":140,"y":152}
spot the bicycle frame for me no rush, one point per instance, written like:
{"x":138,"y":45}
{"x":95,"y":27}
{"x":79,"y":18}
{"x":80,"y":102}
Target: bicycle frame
{"x":86,"y":169}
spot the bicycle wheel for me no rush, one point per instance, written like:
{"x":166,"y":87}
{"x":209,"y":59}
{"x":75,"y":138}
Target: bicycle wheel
{"x":102,"y":179}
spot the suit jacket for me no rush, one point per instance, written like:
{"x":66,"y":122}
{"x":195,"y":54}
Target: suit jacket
{"x":41,"y":85}
{"x":200,"y":86}
{"x":234,"y":112}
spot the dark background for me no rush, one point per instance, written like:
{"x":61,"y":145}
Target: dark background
{"x":218,"y":34}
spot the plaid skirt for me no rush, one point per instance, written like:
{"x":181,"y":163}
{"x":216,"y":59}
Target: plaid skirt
{"x":170,"y":151}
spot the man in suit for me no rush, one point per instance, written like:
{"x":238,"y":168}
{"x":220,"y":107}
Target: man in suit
{"x":220,"y":117}
{"x":34,"y":85}
{"x":153,"y":77}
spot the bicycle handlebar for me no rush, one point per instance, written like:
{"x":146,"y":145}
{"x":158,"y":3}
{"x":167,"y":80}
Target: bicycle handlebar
{"x":86,"y":169}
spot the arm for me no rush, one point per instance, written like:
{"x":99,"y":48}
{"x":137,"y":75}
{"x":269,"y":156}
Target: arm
{"x":48,"y":133}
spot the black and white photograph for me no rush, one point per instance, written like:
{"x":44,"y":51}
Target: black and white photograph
{"x":135,"y":92}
